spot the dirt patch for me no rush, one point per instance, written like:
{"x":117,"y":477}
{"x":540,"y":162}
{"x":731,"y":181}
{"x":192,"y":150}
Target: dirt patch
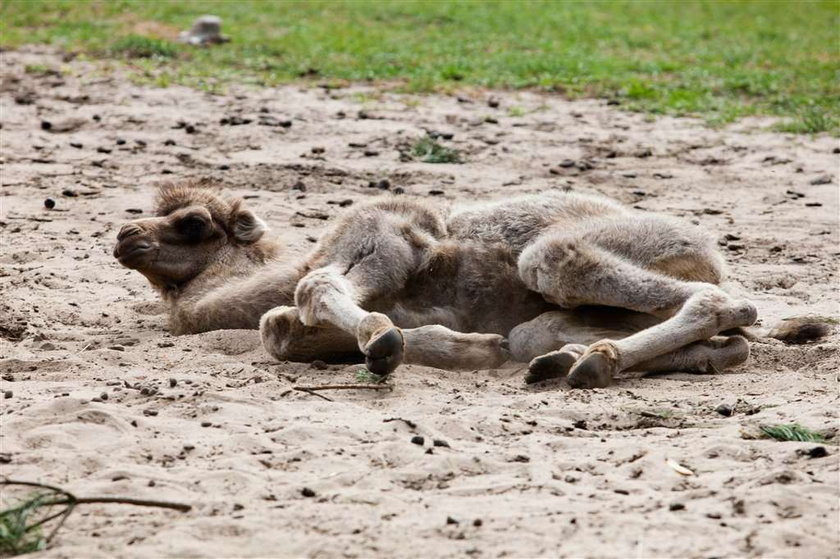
{"x":527,"y":471}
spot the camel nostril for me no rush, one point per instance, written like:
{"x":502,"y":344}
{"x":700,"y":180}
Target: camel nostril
{"x":127,"y":231}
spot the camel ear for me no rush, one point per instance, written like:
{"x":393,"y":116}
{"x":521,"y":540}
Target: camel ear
{"x":247,"y":227}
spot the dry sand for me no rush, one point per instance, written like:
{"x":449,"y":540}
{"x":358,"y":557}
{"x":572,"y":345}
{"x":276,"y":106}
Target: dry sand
{"x":104,"y":401}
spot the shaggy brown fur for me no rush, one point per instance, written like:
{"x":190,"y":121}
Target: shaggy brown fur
{"x":404,"y":281}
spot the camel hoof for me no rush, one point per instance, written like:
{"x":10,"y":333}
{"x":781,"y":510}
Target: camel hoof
{"x":551,"y":365}
{"x":592,"y":371}
{"x":384,"y":352}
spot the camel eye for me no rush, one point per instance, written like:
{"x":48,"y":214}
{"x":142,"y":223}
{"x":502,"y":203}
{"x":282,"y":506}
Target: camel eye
{"x":192,"y":228}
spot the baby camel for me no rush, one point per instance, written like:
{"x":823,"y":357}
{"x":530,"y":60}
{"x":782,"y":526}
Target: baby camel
{"x":578,"y":285}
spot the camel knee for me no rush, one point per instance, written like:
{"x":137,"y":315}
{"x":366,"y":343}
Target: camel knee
{"x":314,"y":290}
{"x":543,"y":265}
{"x":712,"y":310}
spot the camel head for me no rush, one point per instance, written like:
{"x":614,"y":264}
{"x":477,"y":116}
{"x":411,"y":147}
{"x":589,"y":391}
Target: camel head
{"x":195,"y":232}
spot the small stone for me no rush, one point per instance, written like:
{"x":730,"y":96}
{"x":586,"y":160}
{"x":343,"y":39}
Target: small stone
{"x":69,"y":193}
{"x":206,"y":424}
{"x":567,"y":163}
{"x":319,"y":365}
{"x":450,"y":520}
{"x":120,"y":142}
{"x":814,"y":452}
{"x":101,"y":149}
{"x":418,"y":440}
{"x":224,"y":167}
{"x":8,"y":394}
{"x":76,"y":145}
{"x":493,"y":103}
{"x":306,"y":492}
{"x":169,"y":142}
{"x":521,"y":458}
{"x":676,"y":506}
{"x":103,"y":396}
{"x":371,"y":153}
{"x":173,"y":383}
{"x":151,"y":483}
{"x":384,"y":184}
{"x":822,"y":179}
{"x":150,"y":413}
{"x":440,"y":442}
{"x":478,"y":522}
{"x":49,"y":203}
{"x":317,"y":150}
{"x":643,"y":153}
{"x":724,"y":410}
{"x":189,"y":129}
{"x":436,"y":192}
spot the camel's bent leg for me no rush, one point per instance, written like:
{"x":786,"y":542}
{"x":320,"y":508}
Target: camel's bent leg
{"x":285,"y":337}
{"x":573,"y":272}
{"x":709,"y":356}
{"x":331,"y":296}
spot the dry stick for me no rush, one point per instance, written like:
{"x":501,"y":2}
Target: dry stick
{"x":314,"y":389}
{"x":72,"y":501}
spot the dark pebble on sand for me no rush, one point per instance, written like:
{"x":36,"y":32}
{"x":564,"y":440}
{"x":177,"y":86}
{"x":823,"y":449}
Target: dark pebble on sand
{"x":676,"y":506}
{"x":371,"y":153}
{"x":76,"y":145}
{"x":46,"y":125}
{"x":823,"y":179}
{"x":206,"y":424}
{"x":190,"y":129}
{"x":120,"y":142}
{"x":724,"y":409}
{"x":173,"y":383}
{"x":399,"y":190}
{"x":224,"y":167}
{"x":169,"y":142}
{"x":478,"y":522}
{"x":814,"y":452}
{"x":441,"y":442}
{"x":306,"y":492}
{"x":49,"y":203}
{"x":418,"y":440}
{"x":8,"y":394}
{"x":69,"y":193}
{"x":101,"y":149}
{"x":436,"y":193}
{"x":450,"y":520}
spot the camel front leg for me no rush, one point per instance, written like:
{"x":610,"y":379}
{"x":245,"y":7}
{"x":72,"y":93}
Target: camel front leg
{"x":286,"y":338}
{"x":327,"y":296}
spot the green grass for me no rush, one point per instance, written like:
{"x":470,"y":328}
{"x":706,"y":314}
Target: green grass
{"x":16,"y":533}
{"x":714,"y":59}
{"x":427,"y":150}
{"x":791,"y":432}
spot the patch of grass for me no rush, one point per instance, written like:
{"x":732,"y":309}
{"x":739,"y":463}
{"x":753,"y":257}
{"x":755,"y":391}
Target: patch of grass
{"x":16,"y":533}
{"x":364,"y":376}
{"x":791,"y":432}
{"x":810,"y":121}
{"x":428,"y":150}
{"x":40,"y":70}
{"x":716,"y":60}
{"x":135,"y":46}
{"x":516,"y":111}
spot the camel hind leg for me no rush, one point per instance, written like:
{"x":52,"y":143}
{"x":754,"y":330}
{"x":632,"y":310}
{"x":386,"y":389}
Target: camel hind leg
{"x":603,"y":266}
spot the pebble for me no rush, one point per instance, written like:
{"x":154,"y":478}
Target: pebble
{"x":814,"y":452}
{"x":436,"y":193}
{"x":441,"y":442}
{"x":450,"y":520}
{"x":418,"y":440}
{"x":493,"y":103}
{"x":49,"y":203}
{"x":173,"y":383}
{"x":76,"y":145}
{"x":306,"y":492}
{"x":319,"y":365}
{"x":206,"y":424}
{"x":101,"y":149}
{"x":822,"y":179}
{"x":120,"y":142}
{"x":724,"y":410}
{"x":8,"y":394}
{"x":371,"y":153}
{"x":478,"y":522}
{"x":676,"y":506}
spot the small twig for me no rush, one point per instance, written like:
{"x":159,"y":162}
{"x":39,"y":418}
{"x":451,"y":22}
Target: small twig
{"x":314,"y":393}
{"x":314,"y":389}
{"x":346,"y":387}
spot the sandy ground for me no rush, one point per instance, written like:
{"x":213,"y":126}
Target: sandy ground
{"x":101,"y":400}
